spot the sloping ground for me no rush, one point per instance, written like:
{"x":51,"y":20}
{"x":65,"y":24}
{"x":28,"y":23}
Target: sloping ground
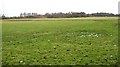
{"x":81,"y":41}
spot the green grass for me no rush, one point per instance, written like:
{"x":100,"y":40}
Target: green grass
{"x":60,"y":41}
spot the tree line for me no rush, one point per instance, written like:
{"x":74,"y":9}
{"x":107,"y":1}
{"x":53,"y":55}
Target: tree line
{"x":62,"y":15}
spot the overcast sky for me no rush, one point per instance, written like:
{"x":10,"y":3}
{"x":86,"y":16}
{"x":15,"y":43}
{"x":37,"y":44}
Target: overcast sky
{"x":15,"y":7}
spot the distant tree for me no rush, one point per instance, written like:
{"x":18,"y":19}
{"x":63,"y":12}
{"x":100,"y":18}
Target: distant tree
{"x":21,"y":15}
{"x":67,"y":15}
{"x":4,"y":17}
{"x":24,"y":14}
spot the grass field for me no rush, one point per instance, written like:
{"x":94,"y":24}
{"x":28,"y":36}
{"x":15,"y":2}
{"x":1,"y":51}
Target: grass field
{"x":60,"y":41}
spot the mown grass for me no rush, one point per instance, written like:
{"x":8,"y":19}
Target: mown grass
{"x":60,"y":41}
